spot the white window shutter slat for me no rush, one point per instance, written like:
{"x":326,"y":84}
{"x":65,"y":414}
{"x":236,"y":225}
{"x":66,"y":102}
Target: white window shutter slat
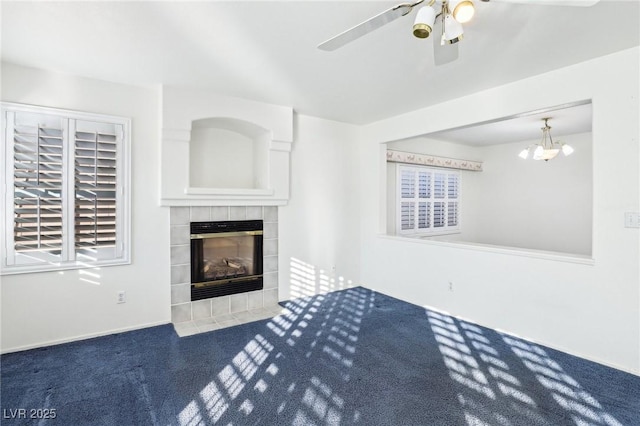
{"x":96,"y":146}
{"x":37,"y":183}
{"x":407,"y":215}
{"x":424,"y":184}
{"x":429,"y":200}
{"x":452,"y":213}
{"x":407,"y":184}
{"x":439,"y":182}
{"x":424,"y":215}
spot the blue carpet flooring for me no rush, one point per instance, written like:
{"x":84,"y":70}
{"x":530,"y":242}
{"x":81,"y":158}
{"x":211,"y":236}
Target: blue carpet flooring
{"x":352,"y":357}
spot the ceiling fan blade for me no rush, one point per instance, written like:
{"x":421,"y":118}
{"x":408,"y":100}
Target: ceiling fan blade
{"x":444,"y":53}
{"x":366,"y":27}
{"x":580,"y":3}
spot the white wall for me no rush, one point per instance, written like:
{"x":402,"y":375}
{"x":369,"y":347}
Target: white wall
{"x":533,"y":204}
{"x":50,"y":307}
{"x":586,"y":309}
{"x":318,"y":228}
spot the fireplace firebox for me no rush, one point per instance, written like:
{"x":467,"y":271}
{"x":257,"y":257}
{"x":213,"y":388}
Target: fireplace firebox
{"x":226,"y":258}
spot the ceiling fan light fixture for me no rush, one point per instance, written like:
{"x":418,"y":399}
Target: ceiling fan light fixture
{"x":453,"y":31}
{"x":462,"y":10}
{"x":423,"y":24}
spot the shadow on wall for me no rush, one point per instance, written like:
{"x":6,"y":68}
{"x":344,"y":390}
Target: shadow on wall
{"x":306,"y":280}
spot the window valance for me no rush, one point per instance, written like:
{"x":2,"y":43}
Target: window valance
{"x":432,"y":160}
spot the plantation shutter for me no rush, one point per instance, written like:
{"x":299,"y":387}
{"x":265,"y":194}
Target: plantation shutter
{"x":429,"y":200}
{"x":96,"y":148}
{"x":424,"y":193}
{"x":66,"y":203}
{"x":453,"y":185}
{"x":407,"y":208}
{"x":38,"y":156}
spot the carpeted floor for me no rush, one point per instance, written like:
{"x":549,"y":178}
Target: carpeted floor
{"x":349,"y":357}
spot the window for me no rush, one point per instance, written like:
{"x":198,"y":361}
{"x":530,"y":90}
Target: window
{"x":66,"y":203}
{"x":428,"y":200}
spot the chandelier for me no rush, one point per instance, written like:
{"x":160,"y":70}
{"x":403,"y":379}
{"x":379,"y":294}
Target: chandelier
{"x":547,"y":149}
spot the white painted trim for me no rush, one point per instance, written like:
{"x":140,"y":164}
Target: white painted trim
{"x":222,"y":201}
{"x":283,"y":146}
{"x":229,"y":191}
{"x":487,"y":248}
{"x":63,"y":266}
{"x":83,"y":337}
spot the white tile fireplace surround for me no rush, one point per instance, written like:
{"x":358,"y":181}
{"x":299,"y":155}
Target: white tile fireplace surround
{"x":183,"y":310}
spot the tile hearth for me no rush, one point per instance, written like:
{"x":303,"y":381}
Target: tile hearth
{"x":189,"y":328}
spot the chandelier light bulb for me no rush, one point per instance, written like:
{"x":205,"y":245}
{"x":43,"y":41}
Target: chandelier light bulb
{"x":524,"y":154}
{"x":567,"y":149}
{"x":538,"y":152}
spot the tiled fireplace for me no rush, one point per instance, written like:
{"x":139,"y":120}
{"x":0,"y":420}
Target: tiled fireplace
{"x":182,"y":308}
{"x":222,"y":159}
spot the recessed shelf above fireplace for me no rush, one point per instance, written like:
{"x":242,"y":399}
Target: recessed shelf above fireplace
{"x":218,"y":150}
{"x":228,"y":153}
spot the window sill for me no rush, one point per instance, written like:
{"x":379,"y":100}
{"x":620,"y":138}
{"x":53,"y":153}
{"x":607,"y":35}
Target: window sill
{"x":57,"y":267}
{"x":428,"y":235}
{"x":488,"y":248}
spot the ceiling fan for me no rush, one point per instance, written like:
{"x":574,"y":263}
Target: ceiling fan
{"x":450,"y":14}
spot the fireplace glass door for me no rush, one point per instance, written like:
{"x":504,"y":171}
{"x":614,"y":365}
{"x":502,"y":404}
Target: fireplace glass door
{"x":226,"y":258}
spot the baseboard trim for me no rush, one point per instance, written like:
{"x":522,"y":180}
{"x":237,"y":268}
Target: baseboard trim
{"x":536,"y":342}
{"x":82,"y":337}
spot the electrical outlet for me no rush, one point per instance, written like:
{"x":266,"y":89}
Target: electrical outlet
{"x":121,"y":297}
{"x":450,"y":285}
{"x":632,"y":220}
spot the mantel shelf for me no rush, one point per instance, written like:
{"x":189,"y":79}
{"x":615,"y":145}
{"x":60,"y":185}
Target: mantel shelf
{"x":243,"y":192}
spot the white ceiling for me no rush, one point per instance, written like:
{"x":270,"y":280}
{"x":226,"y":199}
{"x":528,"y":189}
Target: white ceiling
{"x":266,"y":50}
{"x":563,"y":120}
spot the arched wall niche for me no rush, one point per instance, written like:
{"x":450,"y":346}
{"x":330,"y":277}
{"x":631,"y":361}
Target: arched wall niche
{"x":227,"y":152}
{"x":239,"y":150}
